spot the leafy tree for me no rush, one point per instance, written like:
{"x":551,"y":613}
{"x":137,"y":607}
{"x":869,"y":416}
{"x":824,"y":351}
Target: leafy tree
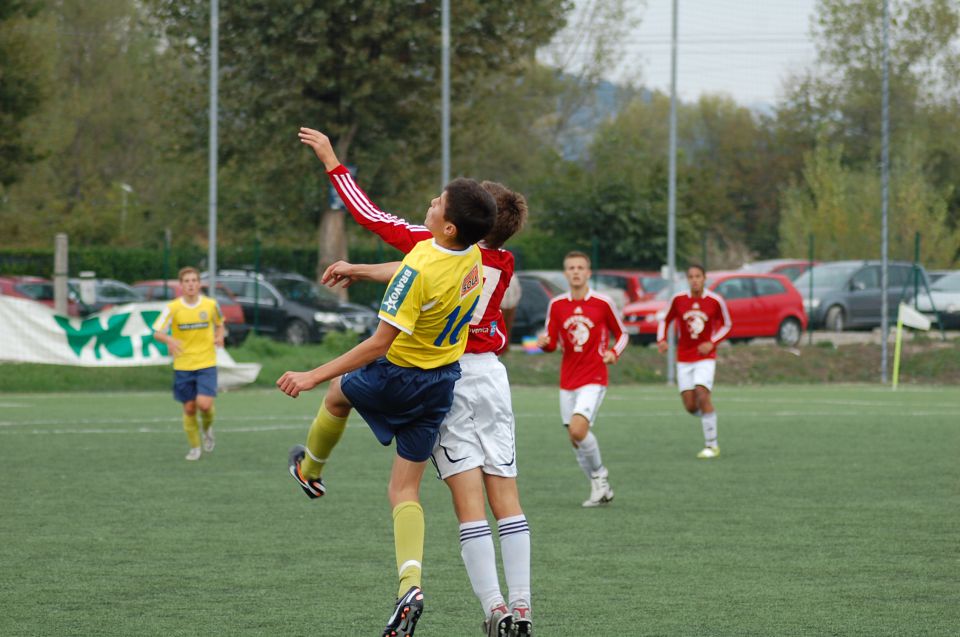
{"x":22,"y":64}
{"x":367,"y":72}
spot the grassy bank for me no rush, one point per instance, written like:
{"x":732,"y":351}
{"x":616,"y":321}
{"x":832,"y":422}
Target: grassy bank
{"x":924,"y":362}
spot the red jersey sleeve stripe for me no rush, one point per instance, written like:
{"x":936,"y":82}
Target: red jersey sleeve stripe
{"x":394,"y":230}
{"x":665,"y":323}
{"x":622,"y":338}
{"x":721,"y":333}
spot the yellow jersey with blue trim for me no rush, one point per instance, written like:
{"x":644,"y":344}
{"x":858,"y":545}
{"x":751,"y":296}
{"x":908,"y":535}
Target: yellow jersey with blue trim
{"x":192,"y":325}
{"x":431,"y":299}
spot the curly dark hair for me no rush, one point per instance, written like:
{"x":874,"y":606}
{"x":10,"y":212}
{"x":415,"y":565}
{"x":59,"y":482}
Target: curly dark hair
{"x":511,"y":213}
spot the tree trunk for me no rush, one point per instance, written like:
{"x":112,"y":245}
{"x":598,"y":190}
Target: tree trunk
{"x":332,"y":241}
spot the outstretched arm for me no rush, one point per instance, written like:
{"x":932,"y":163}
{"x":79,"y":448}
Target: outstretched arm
{"x":396,"y":231}
{"x":292,"y":383}
{"x":343,"y":273}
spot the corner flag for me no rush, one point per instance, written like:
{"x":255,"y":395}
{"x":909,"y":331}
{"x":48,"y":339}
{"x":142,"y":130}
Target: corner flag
{"x":910,"y":317}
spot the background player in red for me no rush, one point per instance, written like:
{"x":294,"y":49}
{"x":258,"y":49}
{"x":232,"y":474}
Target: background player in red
{"x":702,"y":322}
{"x":584,"y":323}
{"x":476,"y":448}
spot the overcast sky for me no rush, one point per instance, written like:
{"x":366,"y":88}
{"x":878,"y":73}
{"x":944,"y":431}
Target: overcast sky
{"x":740,"y":47}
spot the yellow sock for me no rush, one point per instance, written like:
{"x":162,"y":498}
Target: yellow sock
{"x":324,"y":435}
{"x":408,"y":528}
{"x":193,"y":431}
{"x":206,"y":417}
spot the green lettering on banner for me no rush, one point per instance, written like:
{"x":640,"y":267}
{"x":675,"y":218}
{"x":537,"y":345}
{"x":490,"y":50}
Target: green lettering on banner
{"x":147,"y":341}
{"x":109,"y":338}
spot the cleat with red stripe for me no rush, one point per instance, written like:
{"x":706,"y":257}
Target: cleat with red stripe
{"x":313,"y":487}
{"x":405,"y":615}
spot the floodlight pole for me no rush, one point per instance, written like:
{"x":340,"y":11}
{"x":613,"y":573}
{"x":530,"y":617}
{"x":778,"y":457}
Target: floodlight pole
{"x":885,"y":195}
{"x":445,"y":90}
{"x":212,"y":169}
{"x":672,"y":192}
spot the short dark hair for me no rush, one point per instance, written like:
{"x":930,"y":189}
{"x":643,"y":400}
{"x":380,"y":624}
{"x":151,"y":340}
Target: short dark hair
{"x":697,"y":266}
{"x":577,"y":254}
{"x":187,"y":270}
{"x":511,"y":213}
{"x":471,"y":209}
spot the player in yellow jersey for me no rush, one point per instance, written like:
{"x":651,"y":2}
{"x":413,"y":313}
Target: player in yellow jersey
{"x":401,"y":379}
{"x":195,"y":324}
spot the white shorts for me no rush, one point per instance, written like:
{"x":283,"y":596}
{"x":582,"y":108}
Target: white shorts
{"x":479,"y":428}
{"x":582,"y":400}
{"x":689,"y":375}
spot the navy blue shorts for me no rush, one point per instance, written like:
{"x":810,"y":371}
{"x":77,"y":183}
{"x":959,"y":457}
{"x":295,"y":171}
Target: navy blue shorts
{"x":406,"y":403}
{"x":188,"y":385}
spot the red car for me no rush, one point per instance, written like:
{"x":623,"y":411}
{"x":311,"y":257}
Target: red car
{"x":35,"y":288}
{"x":637,"y":285}
{"x":759,"y":304}
{"x":790,"y":268}
{"x":237,"y":328}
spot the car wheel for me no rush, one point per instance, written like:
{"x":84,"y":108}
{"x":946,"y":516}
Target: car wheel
{"x":297,"y":332}
{"x":789,"y":332}
{"x":836,"y":319}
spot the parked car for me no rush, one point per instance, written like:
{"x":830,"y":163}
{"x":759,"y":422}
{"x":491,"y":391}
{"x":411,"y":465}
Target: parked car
{"x":532,"y":310}
{"x":945,"y":294}
{"x":236,"y":325}
{"x":107,"y":293}
{"x":790,"y":268}
{"x":290,"y":307}
{"x":759,"y":304}
{"x":935,"y":275}
{"x":35,"y":288}
{"x":637,"y":285}
{"x":846,"y":294}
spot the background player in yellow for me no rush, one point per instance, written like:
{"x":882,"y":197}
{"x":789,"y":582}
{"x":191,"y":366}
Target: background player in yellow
{"x":195,"y":324}
{"x":401,"y":379}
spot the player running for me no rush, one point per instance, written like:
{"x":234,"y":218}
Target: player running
{"x":582,"y":322}
{"x":702,"y":322}
{"x":196,"y":326}
{"x":401,"y":379}
{"x":475,"y":449}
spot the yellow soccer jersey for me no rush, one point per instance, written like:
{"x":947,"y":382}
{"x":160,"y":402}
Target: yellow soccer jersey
{"x":193,"y":326}
{"x":431,"y":300}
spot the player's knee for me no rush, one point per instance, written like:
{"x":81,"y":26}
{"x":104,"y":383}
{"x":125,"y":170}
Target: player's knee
{"x":190,"y":408}
{"x":335,"y":401}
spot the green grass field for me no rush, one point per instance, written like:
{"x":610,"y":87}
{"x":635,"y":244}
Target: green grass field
{"x":834,"y":510}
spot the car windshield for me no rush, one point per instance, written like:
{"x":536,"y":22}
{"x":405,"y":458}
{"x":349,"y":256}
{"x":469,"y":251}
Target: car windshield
{"x":653,"y":284}
{"x":302,"y":291}
{"x":949,"y":283}
{"x":831,"y":276}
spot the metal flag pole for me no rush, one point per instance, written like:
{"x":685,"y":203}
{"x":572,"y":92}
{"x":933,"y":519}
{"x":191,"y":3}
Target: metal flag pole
{"x":885,"y":196}
{"x":672,"y":192}
{"x":445,"y":81}
{"x":212,"y":169}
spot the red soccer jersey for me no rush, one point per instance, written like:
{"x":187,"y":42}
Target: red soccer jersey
{"x":699,"y":319}
{"x":583,"y":328}
{"x":486,"y":326}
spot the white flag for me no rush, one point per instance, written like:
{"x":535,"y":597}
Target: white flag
{"x":912,"y":318}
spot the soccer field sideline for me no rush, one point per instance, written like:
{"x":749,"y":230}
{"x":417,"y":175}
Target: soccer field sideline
{"x":833,"y":510}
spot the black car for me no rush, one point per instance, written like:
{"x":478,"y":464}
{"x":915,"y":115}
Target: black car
{"x":532,"y":310}
{"x":293,"y":308}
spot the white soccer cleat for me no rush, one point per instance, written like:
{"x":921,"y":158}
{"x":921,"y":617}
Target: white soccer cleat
{"x":600,"y":491}
{"x":709,"y":452}
{"x":193,"y":454}
{"x":209,"y":440}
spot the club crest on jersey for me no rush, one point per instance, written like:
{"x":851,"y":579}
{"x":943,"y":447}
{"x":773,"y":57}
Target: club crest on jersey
{"x":578,"y":329}
{"x":399,"y":286}
{"x":203,"y":316}
{"x":696,"y":321}
{"x":470,"y":281}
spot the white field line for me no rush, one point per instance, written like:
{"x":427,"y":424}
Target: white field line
{"x":640,"y":417}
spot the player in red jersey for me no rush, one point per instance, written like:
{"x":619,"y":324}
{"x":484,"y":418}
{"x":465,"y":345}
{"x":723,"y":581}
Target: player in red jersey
{"x":702,"y":322}
{"x":475,"y":450}
{"x":584,"y":323}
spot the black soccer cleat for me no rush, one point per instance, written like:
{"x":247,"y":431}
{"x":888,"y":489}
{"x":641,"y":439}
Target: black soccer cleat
{"x":405,"y":615}
{"x":314,"y":488}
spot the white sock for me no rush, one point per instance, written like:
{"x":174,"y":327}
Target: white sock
{"x":588,"y":455}
{"x":709,"y":422}
{"x":476,"y":549}
{"x":515,"y":549}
